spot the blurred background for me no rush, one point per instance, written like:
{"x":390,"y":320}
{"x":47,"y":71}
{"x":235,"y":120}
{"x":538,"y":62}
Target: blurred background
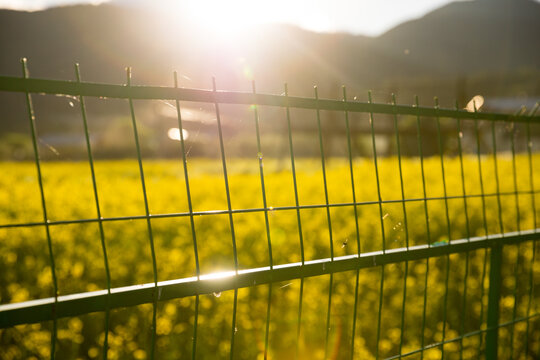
{"x":453,"y":50}
{"x":484,"y":53}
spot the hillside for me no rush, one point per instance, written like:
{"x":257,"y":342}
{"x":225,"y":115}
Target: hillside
{"x":459,"y":50}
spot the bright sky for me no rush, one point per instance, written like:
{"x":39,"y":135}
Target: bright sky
{"x":367,"y":17}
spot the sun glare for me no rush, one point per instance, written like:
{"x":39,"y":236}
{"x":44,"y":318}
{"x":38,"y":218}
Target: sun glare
{"x":226,"y":19}
{"x":232,"y":21}
{"x":174,"y":134}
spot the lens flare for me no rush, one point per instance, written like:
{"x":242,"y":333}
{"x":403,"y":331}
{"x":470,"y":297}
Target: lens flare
{"x":174,"y":134}
{"x":477,"y":101}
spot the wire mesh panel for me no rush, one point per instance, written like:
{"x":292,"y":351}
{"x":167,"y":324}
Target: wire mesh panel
{"x":283,"y":227}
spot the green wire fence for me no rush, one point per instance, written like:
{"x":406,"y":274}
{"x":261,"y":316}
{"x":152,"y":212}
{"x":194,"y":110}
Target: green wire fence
{"x":481,"y":255}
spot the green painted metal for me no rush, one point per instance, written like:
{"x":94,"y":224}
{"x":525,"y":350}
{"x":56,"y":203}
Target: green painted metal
{"x":251,"y":210}
{"x":381,"y":219}
{"x":15,"y":84}
{"x":231,"y":220}
{"x":191,"y":219}
{"x":84,"y":303}
{"x":57,"y":307}
{"x":32,"y":119}
{"x":98,"y":213}
{"x":147,"y":212}
{"x":266,"y":221}
{"x":329,"y":223}
{"x":493,"y":302}
{"x":298,"y":217}
{"x":426,"y":213}
{"x":484,"y":218}
{"x":447,"y":213}
{"x":518,"y":227}
{"x":355,"y":207}
{"x":531,"y":184}
{"x":456,"y":339}
{"x":406,"y":228}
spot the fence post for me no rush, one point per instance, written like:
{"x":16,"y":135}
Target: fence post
{"x":492,"y":334}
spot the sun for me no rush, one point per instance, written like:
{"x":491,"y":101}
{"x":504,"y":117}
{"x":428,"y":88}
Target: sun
{"x":233,"y":20}
{"x":226,"y":19}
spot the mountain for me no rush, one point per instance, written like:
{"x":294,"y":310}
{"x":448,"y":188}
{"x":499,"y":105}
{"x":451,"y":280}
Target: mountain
{"x":468,"y":37}
{"x":459,"y":50}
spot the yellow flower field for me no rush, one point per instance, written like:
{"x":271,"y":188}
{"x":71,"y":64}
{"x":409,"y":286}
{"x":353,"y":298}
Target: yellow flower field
{"x":25,"y":272}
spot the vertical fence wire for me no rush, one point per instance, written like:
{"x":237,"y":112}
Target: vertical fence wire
{"x":229,"y":208}
{"x":299,"y":220}
{"x":266,"y":221}
{"x":501,"y":223}
{"x":496,"y":174}
{"x":328,"y":220}
{"x":468,"y":231}
{"x":147,"y":213}
{"x":428,"y":233}
{"x":191,"y":219}
{"x":405,"y":225}
{"x":32,"y":120}
{"x":495,"y":268}
{"x":98,"y":213}
{"x":494,"y":294}
{"x":531,"y":185}
{"x":518,"y":227}
{"x":496,"y":250}
{"x":381,"y":217}
{"x":445,"y":193}
{"x":355,"y":207}
{"x":484,"y":218}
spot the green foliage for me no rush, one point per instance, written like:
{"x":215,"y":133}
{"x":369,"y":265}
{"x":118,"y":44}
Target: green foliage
{"x":15,"y":146}
{"x":25,"y":272}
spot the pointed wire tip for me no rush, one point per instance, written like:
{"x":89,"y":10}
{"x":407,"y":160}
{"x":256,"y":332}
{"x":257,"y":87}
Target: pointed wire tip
{"x":534,"y":109}
{"x":520,"y":111}
{"x":175,"y":78}
{"x":25,"y":71}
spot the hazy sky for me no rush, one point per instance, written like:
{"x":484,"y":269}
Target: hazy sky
{"x":368,"y":17}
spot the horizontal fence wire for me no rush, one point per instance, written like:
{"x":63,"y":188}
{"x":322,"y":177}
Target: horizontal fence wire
{"x":42,"y":86}
{"x":428,"y":255}
{"x":78,"y":304}
{"x":252,"y":210}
